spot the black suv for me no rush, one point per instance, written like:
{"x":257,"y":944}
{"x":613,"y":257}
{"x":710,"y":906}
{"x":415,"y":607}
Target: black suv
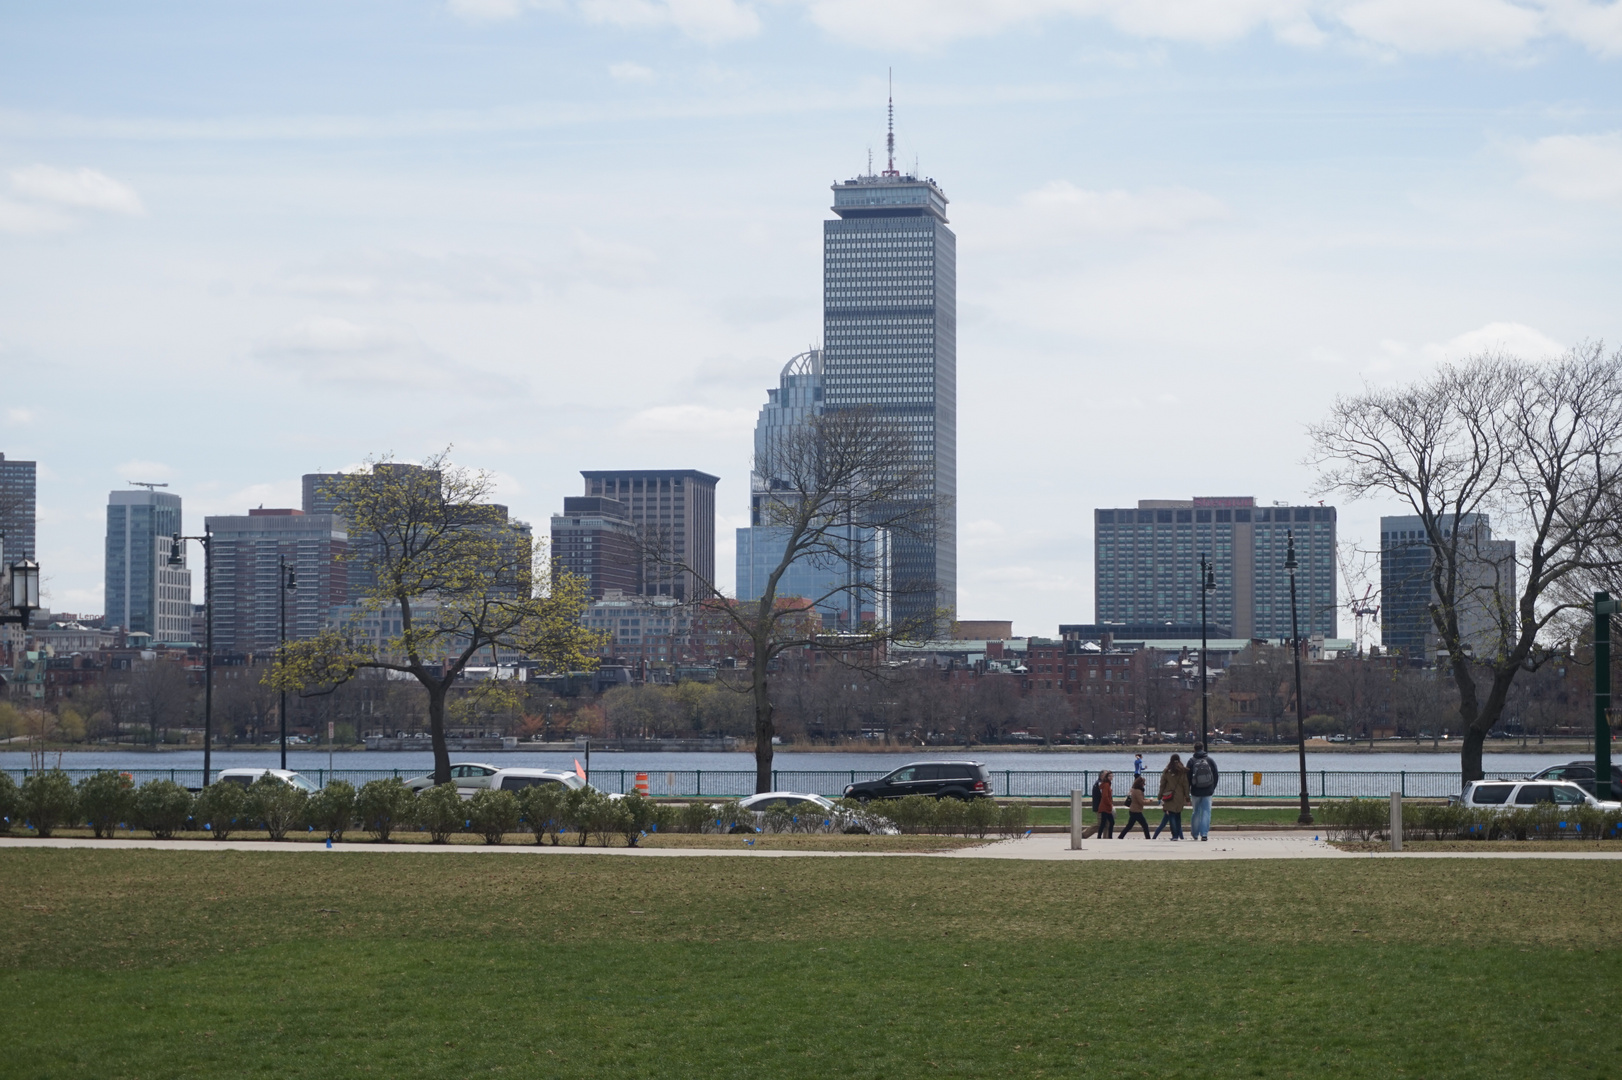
{"x":942,"y":779}
{"x":1581,"y":773}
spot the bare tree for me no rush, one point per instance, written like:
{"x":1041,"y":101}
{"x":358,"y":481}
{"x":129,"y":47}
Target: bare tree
{"x":840,"y":492}
{"x":156,"y":694}
{"x":1536,"y":443}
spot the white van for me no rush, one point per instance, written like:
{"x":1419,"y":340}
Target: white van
{"x":1508,"y":794}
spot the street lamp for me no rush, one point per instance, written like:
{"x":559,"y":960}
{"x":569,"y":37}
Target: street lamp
{"x":24,"y":592}
{"x":1300,"y":704}
{"x":289,"y":583}
{"x":1207,"y":584}
{"x":177,"y":557}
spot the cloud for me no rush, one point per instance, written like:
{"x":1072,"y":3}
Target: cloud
{"x":485,"y":10}
{"x":1399,"y":358}
{"x":691,"y":420}
{"x":1059,"y":213}
{"x":144,"y":470}
{"x":626,"y":71}
{"x":1431,"y":26}
{"x":330,"y":349}
{"x":23,"y":219}
{"x":709,"y":21}
{"x":20,"y":416}
{"x":82,"y":189}
{"x":408,"y":275}
{"x":1582,"y":168}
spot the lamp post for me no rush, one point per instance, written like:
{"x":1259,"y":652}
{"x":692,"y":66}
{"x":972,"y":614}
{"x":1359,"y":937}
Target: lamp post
{"x":24,"y":591}
{"x":1207,"y":584}
{"x":1300,"y":705}
{"x":177,"y":557}
{"x":1604,"y":608}
{"x":288,"y":582}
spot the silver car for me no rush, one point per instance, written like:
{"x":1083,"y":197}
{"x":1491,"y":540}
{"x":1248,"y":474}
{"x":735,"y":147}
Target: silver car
{"x":464,"y":774}
{"x":1506,"y":794}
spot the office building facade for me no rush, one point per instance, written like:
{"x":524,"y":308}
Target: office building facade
{"x":249,"y":553}
{"x":1146,"y":565}
{"x":17,"y":509}
{"x":1487,"y":587}
{"x":890,"y":344}
{"x":594,"y":539}
{"x":144,"y":593}
{"x":673,"y":512}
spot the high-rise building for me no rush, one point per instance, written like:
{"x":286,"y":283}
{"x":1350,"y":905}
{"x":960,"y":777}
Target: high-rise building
{"x":144,"y":593}
{"x":890,"y":343}
{"x":841,"y":586}
{"x":673,"y":511}
{"x":17,"y":510}
{"x":248,"y":553}
{"x":1486,"y":589}
{"x":1146,"y":565}
{"x":594,"y":539}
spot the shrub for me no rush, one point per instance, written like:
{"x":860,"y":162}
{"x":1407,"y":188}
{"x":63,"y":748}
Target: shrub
{"x":542,"y":807}
{"x":332,"y":809}
{"x":10,"y":800}
{"x":48,"y":800}
{"x":276,"y":804}
{"x":105,"y":800}
{"x":1013,"y":818}
{"x":636,"y":816}
{"x":1356,"y":819}
{"x":695,"y":817}
{"x":494,"y":814}
{"x":913,"y":813}
{"x":950,"y":816}
{"x":440,"y":810}
{"x":162,"y":807}
{"x":383,"y":806}
{"x":979,"y":817}
{"x":587,"y":810}
{"x":729,"y":817}
{"x":221,"y":808}
{"x":777,"y":819}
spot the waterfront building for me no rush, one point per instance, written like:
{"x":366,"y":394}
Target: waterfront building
{"x":249,"y":552}
{"x":17,"y":509}
{"x":673,"y":512}
{"x":144,"y":593}
{"x":594,"y":539}
{"x":1487,"y":590}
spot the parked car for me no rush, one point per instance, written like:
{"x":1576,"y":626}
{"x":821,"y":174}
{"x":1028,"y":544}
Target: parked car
{"x":516,"y":779}
{"x":464,"y":774}
{"x":246,"y":777}
{"x":942,"y":779}
{"x":799,"y":802}
{"x":1505,"y":794}
{"x":1580,"y":773}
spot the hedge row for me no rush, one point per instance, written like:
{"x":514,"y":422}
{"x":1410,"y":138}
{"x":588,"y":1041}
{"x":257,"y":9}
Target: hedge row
{"x":1370,"y":819}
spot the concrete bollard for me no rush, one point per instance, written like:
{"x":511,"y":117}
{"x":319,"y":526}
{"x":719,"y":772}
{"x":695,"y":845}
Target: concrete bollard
{"x":1077,"y":825}
{"x":1396,"y":821}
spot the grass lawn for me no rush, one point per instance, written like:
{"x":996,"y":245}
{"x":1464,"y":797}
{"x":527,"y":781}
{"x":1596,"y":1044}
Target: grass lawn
{"x":312,"y":964}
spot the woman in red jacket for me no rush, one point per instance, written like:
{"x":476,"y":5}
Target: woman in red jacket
{"x":1106,"y":804}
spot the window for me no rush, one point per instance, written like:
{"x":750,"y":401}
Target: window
{"x":1532,"y":794}
{"x":1568,"y":796}
{"x":1490,"y":794}
{"x":903,"y":776}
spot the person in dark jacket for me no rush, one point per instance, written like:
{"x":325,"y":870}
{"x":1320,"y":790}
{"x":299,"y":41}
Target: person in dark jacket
{"x":1134,"y":808}
{"x":1106,"y":805}
{"x":1173,"y":797}
{"x":1202,"y":784}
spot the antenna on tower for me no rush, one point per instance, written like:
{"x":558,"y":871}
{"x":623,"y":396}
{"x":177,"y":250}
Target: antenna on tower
{"x":870,"y":161}
{"x":889,"y":139}
{"x":145,"y":484}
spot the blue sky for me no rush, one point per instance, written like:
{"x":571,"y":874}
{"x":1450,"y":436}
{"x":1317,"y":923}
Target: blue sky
{"x":243,"y":242}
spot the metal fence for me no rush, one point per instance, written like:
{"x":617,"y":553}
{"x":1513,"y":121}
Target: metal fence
{"x":1007,"y":783}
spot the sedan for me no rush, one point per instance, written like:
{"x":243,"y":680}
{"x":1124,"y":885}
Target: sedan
{"x":464,"y":774}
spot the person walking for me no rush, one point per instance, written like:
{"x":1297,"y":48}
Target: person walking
{"x":1173,"y":797}
{"x":1202,"y":784}
{"x":1106,"y":805}
{"x":1134,"y":808}
{"x":1137,"y":766}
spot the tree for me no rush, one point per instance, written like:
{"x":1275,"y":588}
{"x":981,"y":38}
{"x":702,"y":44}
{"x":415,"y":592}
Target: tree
{"x":1539,"y":445}
{"x":451,"y":578}
{"x":155,"y":694}
{"x":839,"y":491}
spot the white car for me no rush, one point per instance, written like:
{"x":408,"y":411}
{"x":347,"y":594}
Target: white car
{"x":464,"y":774}
{"x":802,"y":802}
{"x":246,"y":777}
{"x":1505,"y":794}
{"x":518,"y":779}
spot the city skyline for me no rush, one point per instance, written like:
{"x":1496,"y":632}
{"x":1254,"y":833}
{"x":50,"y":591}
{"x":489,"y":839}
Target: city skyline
{"x":557,"y":241}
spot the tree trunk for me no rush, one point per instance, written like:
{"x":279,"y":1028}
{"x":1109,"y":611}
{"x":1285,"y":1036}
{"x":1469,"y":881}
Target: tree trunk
{"x":764,"y":730}
{"x":436,"y":729}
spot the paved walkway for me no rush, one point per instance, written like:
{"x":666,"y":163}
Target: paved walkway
{"x":1048,"y":847}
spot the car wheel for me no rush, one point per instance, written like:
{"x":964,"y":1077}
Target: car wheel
{"x":864,"y":798}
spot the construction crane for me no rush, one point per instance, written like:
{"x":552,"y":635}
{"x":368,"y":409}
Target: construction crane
{"x":1355,"y":570}
{"x":1362,"y":609}
{"x":146,"y":484}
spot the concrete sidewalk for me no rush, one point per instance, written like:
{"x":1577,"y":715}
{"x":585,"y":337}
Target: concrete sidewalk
{"x":1046,"y":847}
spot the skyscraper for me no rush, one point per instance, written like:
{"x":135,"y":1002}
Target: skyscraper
{"x":593,"y":538}
{"x":249,"y":550}
{"x":17,"y":509}
{"x":674,"y":510}
{"x":890,"y":343}
{"x":144,"y":594}
{"x":1146,"y":565}
{"x":1487,"y":585}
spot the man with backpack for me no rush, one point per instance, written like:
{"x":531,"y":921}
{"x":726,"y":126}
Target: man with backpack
{"x":1202,"y":784}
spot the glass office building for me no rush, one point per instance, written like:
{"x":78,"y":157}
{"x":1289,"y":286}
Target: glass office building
{"x":1487,"y":590}
{"x":1146,"y":565}
{"x":890,"y":342}
{"x":17,"y":510}
{"x":144,"y":594}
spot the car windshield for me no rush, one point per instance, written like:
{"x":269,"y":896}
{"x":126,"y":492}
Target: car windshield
{"x":302,"y":784}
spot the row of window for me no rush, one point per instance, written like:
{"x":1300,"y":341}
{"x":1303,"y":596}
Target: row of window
{"x":1167,"y":517}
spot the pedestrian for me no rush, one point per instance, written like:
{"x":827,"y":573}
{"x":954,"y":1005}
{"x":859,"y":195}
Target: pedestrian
{"x":1134,"y":807}
{"x":1137,"y":765}
{"x":1173,"y":797}
{"x":1202,"y":784}
{"x":1106,"y":805}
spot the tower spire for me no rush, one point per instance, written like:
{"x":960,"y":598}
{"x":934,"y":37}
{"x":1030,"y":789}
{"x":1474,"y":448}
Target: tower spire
{"x":889,"y":139}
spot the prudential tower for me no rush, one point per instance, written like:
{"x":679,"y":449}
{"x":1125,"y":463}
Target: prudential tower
{"x":890,"y":343}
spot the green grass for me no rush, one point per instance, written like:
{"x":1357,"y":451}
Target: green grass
{"x":153,"y":963}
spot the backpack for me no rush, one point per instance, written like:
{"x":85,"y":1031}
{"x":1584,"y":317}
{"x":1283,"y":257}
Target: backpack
{"x":1203,"y":773}
{"x":1098,"y":794}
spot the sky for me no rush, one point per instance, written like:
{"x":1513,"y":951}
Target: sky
{"x":242,"y":242}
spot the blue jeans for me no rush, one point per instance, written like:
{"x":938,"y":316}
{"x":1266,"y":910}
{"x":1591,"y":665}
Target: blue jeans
{"x":1174,"y":820}
{"x":1201,"y":826}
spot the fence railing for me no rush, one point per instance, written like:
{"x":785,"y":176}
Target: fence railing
{"x":1006,"y":783}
